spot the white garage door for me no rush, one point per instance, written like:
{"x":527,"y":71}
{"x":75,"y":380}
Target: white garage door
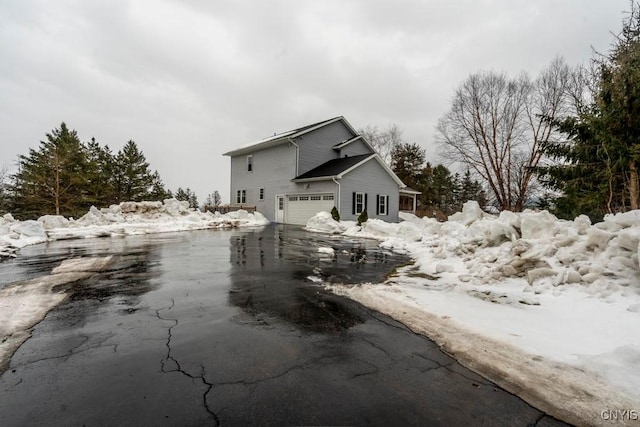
{"x":301,"y":207}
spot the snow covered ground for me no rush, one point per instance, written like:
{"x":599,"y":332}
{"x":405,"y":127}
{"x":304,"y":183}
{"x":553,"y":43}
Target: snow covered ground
{"x":127,"y":218}
{"x":549,"y":309}
{"x":24,"y":304}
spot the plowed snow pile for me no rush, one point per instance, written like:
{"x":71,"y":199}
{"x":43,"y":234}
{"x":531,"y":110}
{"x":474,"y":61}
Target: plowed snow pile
{"x":127,"y":218}
{"x":550,"y":309}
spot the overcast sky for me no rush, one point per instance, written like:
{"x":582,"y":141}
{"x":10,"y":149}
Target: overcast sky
{"x":191,"y":79}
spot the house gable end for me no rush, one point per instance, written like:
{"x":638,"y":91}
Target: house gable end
{"x":316,"y":146}
{"x":365,"y":185}
{"x":354,"y":147}
{"x":382,"y":164}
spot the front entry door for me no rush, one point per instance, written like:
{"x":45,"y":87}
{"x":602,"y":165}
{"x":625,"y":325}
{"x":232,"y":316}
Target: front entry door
{"x":280,"y":209}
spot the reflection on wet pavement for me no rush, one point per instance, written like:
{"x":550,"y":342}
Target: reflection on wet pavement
{"x":232,"y":328}
{"x":128,"y":277}
{"x":289,"y":291}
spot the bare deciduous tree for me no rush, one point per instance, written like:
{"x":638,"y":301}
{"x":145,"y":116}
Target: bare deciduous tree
{"x":498,"y":126}
{"x":383,"y":141}
{"x":4,"y":175}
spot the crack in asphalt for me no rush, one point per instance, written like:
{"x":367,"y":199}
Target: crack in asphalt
{"x":364,"y":374}
{"x":272,"y":377}
{"x":537,"y":421}
{"x":447,"y":367}
{"x":377,"y":347}
{"x":178,"y":368}
{"x":70,"y":352}
{"x":303,"y":365}
{"x":401,"y":326}
{"x":439,"y":365}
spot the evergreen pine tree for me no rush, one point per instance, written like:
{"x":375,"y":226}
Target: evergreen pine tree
{"x":4,"y":193}
{"x":181,"y":195}
{"x":444,"y":189}
{"x":52,"y":179}
{"x":335,"y":214}
{"x":158,"y":192}
{"x":429,"y":196}
{"x":134,"y":180}
{"x":188,"y":196}
{"x":363,"y":217}
{"x":597,"y":165}
{"x":101,"y":186}
{"x":193,"y":199}
{"x":407,"y":161}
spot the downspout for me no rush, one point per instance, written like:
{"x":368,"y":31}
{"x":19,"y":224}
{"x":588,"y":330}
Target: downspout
{"x":297,"y":153}
{"x":338,"y":184}
{"x":285,"y":213}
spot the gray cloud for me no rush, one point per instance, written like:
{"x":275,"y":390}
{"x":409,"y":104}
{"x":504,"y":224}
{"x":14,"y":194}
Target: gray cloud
{"x":190,"y":80}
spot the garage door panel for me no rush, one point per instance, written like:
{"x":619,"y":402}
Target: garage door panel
{"x":301,"y":207}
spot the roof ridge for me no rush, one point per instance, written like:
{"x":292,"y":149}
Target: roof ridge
{"x":300,"y":129}
{"x":282,"y":135}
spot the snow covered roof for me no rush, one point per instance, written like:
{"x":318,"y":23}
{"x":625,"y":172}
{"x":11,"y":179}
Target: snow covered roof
{"x":284,"y":137}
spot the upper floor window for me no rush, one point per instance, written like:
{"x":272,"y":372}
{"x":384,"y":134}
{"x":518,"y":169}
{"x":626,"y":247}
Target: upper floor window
{"x":261,"y":193}
{"x":250,"y":163}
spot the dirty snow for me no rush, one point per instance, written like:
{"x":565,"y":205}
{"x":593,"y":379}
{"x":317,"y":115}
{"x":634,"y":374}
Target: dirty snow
{"x":548,"y":308}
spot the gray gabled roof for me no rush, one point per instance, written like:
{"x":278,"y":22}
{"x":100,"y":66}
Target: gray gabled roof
{"x":337,"y":168}
{"x":333,"y":167}
{"x":343,"y":144}
{"x":284,"y":137}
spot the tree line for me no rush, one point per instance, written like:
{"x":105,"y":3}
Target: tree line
{"x":442,"y":192}
{"x":595,"y":167}
{"x":64,"y":176}
{"x":567,"y":140}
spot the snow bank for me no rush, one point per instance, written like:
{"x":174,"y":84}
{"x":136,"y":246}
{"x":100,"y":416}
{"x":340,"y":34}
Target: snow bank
{"x":561,"y":296}
{"x":323,"y":222}
{"x":117,"y":220}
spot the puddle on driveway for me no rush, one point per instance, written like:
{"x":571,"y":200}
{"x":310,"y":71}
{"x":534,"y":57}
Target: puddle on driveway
{"x":275,"y":272}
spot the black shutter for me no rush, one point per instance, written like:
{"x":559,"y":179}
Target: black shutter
{"x":386,"y":205}
{"x":378,"y":204}
{"x":365,"y":202}
{"x":353,"y":204}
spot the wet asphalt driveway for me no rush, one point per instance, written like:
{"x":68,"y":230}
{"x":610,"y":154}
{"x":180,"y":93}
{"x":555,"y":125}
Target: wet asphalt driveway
{"x":230,"y":328}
